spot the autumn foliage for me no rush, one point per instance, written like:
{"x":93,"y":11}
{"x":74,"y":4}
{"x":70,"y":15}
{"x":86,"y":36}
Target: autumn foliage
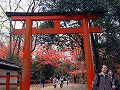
{"x":4,"y":51}
{"x":45,"y":55}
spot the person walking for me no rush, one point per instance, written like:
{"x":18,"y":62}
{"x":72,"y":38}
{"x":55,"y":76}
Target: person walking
{"x":102,"y":80}
{"x":67,"y":79}
{"x":115,"y":84}
{"x":54,"y":82}
{"x":75,"y":79}
{"x":43,"y":81}
{"x":61,"y":82}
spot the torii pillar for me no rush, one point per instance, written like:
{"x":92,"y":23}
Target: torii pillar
{"x":85,"y":29}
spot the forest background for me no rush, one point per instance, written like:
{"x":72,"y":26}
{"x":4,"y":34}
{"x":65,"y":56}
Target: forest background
{"x":62,"y":53}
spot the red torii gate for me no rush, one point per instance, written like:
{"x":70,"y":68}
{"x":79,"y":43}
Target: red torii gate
{"x":56,"y":17}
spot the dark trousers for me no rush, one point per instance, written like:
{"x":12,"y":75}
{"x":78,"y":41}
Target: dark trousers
{"x":61,"y":85}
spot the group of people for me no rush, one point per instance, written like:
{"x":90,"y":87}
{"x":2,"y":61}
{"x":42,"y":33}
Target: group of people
{"x":60,"y":82}
{"x":105,"y":80}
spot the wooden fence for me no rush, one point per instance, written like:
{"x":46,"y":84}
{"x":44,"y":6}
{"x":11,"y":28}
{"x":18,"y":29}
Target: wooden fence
{"x":8,"y":83}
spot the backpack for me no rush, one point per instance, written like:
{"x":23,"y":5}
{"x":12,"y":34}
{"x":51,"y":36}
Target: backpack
{"x":98,"y":81}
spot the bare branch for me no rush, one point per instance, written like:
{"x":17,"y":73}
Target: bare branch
{"x":17,"y":5}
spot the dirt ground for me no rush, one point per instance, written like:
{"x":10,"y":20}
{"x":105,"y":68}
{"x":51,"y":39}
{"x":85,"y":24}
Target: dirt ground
{"x":70,"y":86}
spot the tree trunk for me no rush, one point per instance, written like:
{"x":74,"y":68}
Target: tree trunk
{"x":94,"y":40}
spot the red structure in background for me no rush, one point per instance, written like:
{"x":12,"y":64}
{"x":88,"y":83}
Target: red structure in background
{"x":85,"y":29}
{"x":7,"y":83}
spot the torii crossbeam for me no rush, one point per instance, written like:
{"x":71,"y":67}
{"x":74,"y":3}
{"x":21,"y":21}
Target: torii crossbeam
{"x":85,"y":29}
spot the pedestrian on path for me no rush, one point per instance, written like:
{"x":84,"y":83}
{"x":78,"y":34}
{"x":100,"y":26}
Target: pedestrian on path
{"x":54,"y":82}
{"x":43,"y":81}
{"x":75,"y":79}
{"x":67,"y":79}
{"x":61,"y":82}
{"x":102,"y":80}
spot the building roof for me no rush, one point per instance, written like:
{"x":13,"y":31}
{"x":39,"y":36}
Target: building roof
{"x":8,"y":65}
{"x":9,"y":14}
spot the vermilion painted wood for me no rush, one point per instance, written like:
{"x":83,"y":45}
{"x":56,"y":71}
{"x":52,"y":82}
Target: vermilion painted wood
{"x":85,"y":29}
{"x":3,"y":76}
{"x":7,"y":82}
{"x":88,"y":53}
{"x":17,"y":76}
{"x":54,"y":17}
{"x":2,"y":83}
{"x":27,"y":57}
{"x":20,"y":87}
{"x":58,"y":30}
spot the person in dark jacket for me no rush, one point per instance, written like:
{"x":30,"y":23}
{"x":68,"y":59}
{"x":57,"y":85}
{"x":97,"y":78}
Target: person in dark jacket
{"x":43,"y":81}
{"x":115,"y":84}
{"x":102,"y":80}
{"x":75,"y":79}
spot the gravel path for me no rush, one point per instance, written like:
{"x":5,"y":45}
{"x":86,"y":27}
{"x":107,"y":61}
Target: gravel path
{"x":70,"y":86}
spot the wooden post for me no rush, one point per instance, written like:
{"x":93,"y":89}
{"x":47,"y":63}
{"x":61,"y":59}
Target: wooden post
{"x":20,"y":83}
{"x":88,"y":53}
{"x":27,"y":56}
{"x":8,"y":81}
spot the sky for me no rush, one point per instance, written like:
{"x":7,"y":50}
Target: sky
{"x":10,"y":6}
